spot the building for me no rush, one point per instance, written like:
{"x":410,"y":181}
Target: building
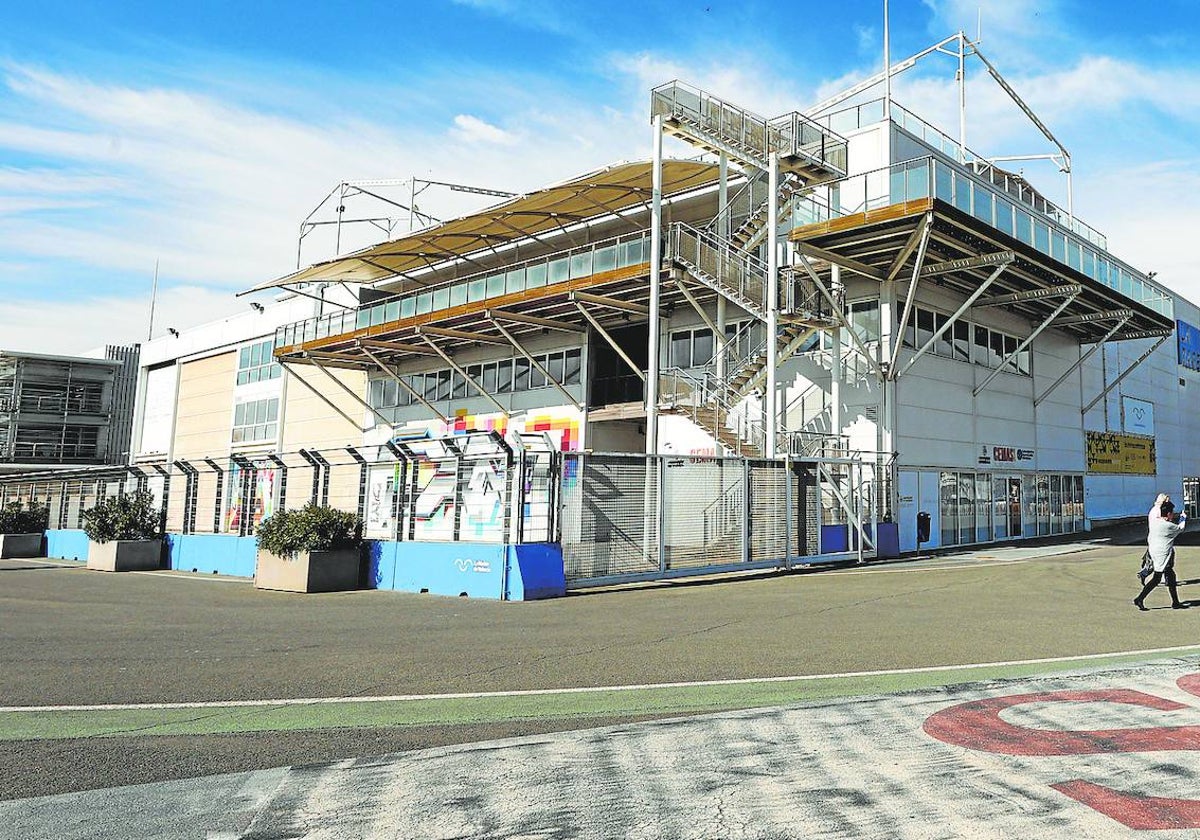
{"x":835,"y":333}
{"x":58,"y":411}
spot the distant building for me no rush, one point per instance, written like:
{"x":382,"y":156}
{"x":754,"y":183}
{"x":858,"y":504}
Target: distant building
{"x":66,"y":410}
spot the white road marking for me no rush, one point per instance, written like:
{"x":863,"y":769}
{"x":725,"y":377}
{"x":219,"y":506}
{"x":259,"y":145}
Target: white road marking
{"x":534,"y":692}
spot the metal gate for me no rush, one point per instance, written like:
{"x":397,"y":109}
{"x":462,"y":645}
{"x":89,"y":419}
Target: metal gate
{"x":628,"y":517}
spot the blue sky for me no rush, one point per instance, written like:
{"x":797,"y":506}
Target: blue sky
{"x":200,"y":135}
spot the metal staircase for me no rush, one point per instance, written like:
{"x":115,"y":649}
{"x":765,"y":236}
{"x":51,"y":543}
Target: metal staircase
{"x":803,"y":146}
{"x":721,"y":266}
{"x":721,"y":405}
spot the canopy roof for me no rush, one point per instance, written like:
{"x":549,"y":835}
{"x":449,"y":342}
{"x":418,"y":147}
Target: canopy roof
{"x":604,"y":192}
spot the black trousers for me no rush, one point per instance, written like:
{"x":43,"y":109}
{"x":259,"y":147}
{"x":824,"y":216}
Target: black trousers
{"x":1169,"y":575}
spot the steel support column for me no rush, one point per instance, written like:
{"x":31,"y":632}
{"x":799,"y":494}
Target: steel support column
{"x":655,"y":290}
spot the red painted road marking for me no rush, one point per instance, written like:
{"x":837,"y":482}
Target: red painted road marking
{"x":1144,"y":813}
{"x":977,"y":725}
{"x":1190,"y":683}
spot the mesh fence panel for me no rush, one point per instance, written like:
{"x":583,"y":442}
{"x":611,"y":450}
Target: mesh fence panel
{"x":704,"y":512}
{"x":207,"y":519}
{"x":609,"y":515}
{"x":344,"y":482}
{"x":770,"y":514}
{"x":536,"y":500}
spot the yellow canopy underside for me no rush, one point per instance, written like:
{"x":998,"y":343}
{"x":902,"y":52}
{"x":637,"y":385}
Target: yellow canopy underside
{"x":602,"y":193}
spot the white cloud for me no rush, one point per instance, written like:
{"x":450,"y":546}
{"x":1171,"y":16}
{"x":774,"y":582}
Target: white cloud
{"x":471,"y":129}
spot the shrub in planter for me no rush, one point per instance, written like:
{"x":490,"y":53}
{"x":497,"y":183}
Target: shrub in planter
{"x":125,"y":533}
{"x":313,"y":549}
{"x":21,"y":529}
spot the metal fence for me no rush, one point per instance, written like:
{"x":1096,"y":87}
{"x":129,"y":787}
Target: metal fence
{"x":639,"y":517}
{"x":474,"y":487}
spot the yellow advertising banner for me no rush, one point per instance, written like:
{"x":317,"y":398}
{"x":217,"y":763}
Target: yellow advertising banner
{"x":1118,"y":454}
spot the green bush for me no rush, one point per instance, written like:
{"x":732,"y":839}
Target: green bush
{"x":129,"y":516}
{"x":311,"y":528}
{"x":15,"y":518}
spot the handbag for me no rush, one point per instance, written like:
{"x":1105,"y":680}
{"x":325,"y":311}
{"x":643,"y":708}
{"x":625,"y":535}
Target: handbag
{"x":1147,"y":568}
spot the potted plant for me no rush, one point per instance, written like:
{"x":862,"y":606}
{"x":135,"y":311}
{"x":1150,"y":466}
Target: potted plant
{"x":313,"y":549}
{"x":124,"y":533}
{"x":22,"y":529}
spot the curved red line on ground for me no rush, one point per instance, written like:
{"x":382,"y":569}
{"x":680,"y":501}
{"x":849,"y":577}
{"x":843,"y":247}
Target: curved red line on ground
{"x":1190,"y":683}
{"x":977,"y":725}
{"x":1143,"y":813}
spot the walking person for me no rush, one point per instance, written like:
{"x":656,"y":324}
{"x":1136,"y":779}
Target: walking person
{"x":1163,"y":530}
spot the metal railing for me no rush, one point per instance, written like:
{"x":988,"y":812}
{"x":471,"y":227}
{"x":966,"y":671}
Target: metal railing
{"x":559,"y":266}
{"x":738,"y":271}
{"x":790,"y":135}
{"x":871,"y":112}
{"x":930,"y":177}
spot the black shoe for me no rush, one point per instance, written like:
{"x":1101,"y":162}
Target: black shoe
{"x":1178,"y":606}
{"x":1137,"y":602}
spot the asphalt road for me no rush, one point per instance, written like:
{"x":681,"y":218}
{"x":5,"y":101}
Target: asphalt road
{"x":70,"y":636}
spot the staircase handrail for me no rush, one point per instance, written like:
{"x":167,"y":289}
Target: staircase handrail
{"x":789,"y":134}
{"x":721,"y":259}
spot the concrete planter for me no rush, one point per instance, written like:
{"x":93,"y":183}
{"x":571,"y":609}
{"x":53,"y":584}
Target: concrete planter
{"x":308,"y":571}
{"x":20,"y":545}
{"x":124,"y":555}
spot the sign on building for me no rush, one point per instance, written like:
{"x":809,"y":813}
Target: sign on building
{"x":1137,"y":416}
{"x":1114,"y":453}
{"x":1005,"y":455}
{"x":1189,"y":345}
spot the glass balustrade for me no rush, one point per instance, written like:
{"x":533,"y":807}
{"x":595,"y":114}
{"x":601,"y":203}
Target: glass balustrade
{"x":870,"y":113}
{"x":930,"y":177}
{"x":584,"y":261}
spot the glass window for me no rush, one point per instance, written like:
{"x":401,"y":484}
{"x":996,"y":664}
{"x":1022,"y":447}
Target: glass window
{"x":948,"y":509}
{"x":1074,"y":256}
{"x":941,"y":347}
{"x":535,"y":275}
{"x":256,"y":363}
{"x":681,"y":349}
{"x":1058,"y":246}
{"x":605,"y":259}
{"x":572,"y":367}
{"x":536,"y":379}
{"x":983,"y":507}
{"x":521,"y":374}
{"x":1056,"y":504}
{"x":581,"y":264}
{"x":391,"y":392}
{"x":961,"y":342}
{"x":979,"y":352}
{"x":443,"y":381}
{"x":489,"y":378}
{"x":1041,"y":237}
{"x":1024,"y":227}
{"x":944,"y":182}
{"x":431,"y":387}
{"x":559,"y":270}
{"x":374,"y":395}
{"x":962,"y":193}
{"x":1089,"y":262}
{"x":458,"y":386}
{"x":996,"y":353}
{"x":1000,"y":507}
{"x":966,"y":508}
{"x":554,"y":366}
{"x":1004,"y":216}
{"x":702,"y":347}
{"x":504,"y":376}
{"x":982,"y":207}
{"x":925,"y":327}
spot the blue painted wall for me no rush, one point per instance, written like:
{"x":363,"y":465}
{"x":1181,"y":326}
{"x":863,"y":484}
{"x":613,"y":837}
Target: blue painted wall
{"x":68,"y":544}
{"x":475,"y":569}
{"x":535,"y":570}
{"x":225,"y":554}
